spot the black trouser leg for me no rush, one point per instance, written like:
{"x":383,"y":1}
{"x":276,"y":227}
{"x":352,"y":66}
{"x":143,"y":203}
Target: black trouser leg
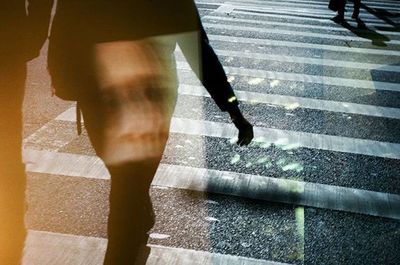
{"x":341,"y":9}
{"x":357,"y":5}
{"x":131,"y":213}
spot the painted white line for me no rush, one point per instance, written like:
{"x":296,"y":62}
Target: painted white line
{"x":284,"y":137}
{"x":300,"y":102}
{"x":281,"y":137}
{"x":234,"y":184}
{"x":292,"y":33}
{"x":267,"y":42}
{"x":55,"y":138}
{"x":392,"y":5}
{"x":305,"y":11}
{"x":57,"y":163}
{"x":325,"y":80}
{"x":47,"y":248}
{"x":315,"y":3}
{"x":329,"y":28}
{"x":302,"y":4}
{"x":170,"y":256}
{"x":310,"y":17}
{"x":225,"y":9}
{"x":308,"y":60}
{"x":279,"y":190}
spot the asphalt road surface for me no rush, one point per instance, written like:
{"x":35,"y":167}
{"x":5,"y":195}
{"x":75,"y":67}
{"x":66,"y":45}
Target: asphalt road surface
{"x":319,"y":185}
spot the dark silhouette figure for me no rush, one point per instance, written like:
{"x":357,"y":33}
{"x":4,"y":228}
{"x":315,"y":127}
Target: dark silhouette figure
{"x":115,"y":58}
{"x":22,"y":35}
{"x":361,"y":30}
{"x":340,"y":8}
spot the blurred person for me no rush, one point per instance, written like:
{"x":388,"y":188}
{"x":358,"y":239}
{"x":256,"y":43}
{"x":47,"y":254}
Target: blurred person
{"x":115,"y":58}
{"x":23,"y":32}
{"x":339,"y":6}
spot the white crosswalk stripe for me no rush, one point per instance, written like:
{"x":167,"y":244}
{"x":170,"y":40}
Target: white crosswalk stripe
{"x":279,"y":137}
{"x":55,"y":248}
{"x":291,"y":44}
{"x":312,"y":18}
{"x":229,"y":183}
{"x":307,"y":60}
{"x":291,"y":33}
{"x":329,"y":27}
{"x":300,"y":102}
{"x":325,"y":80}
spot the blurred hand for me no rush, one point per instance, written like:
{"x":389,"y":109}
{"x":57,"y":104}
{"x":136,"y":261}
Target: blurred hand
{"x":245,"y":129}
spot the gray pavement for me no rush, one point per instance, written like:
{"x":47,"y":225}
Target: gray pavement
{"x":325,"y":101}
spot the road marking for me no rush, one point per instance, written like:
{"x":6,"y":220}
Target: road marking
{"x":314,"y":18}
{"x":293,"y":33}
{"x":314,"y":3}
{"x":300,"y":4}
{"x":285,"y":137}
{"x":307,"y":26}
{"x":387,"y":4}
{"x":224,"y":8}
{"x":308,"y":60}
{"x":47,"y":248}
{"x":276,"y":8}
{"x":267,"y":42}
{"x":276,"y":136}
{"x":58,"y":163}
{"x":229,"y":183}
{"x":316,"y":79}
{"x":300,"y":102}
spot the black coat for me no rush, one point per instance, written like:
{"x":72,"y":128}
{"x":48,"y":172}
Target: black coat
{"x":79,"y":24}
{"x":23,"y":33}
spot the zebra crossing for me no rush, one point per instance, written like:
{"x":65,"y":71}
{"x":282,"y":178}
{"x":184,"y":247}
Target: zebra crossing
{"x":318,"y":185}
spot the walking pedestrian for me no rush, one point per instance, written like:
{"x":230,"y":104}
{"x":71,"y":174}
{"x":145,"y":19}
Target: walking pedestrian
{"x":339,"y":6}
{"x":22,"y":32}
{"x":115,"y":58}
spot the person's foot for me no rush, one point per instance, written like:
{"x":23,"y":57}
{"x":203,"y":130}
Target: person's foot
{"x":338,"y":19}
{"x":360,"y":24}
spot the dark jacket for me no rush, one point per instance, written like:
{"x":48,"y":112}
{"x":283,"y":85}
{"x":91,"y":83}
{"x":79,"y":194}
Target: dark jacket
{"x":78,"y":24}
{"x":23,"y":33}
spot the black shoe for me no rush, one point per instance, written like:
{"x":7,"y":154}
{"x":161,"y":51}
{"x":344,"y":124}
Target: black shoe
{"x":338,"y":19}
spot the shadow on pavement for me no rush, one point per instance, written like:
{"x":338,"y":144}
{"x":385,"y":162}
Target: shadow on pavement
{"x":363,"y":31}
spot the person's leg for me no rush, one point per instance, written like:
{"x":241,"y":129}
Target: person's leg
{"x":12,"y":170}
{"x":131,"y":213}
{"x":356,"y":11}
{"x":340,"y":14}
{"x":128,"y":124}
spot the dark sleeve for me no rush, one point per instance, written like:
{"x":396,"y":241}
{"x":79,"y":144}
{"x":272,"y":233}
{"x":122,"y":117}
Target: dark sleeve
{"x":212,"y":74}
{"x":39,"y":13}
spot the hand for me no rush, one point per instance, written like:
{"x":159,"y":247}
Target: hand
{"x":245,"y":131}
{"x":245,"y":128}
